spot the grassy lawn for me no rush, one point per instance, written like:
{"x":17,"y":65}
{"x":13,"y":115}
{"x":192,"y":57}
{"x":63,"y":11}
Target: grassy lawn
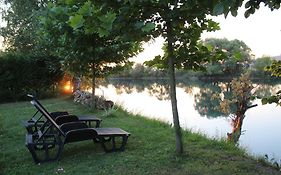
{"x":150,"y":148}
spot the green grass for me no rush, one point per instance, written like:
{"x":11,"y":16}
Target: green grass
{"x":150,"y":148}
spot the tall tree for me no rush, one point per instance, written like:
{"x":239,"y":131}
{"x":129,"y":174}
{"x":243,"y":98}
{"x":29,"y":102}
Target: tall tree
{"x":180,"y":23}
{"x":89,"y":37}
{"x":226,"y":6}
{"x":238,"y":56}
{"x":21,"y":25}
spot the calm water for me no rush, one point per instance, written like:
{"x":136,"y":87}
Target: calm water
{"x":261,"y":129}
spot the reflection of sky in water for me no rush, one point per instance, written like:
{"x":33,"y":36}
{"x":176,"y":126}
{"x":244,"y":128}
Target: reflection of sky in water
{"x":262,"y":123}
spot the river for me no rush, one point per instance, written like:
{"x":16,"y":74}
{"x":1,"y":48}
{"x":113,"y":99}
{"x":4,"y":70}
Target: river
{"x":261,"y":129}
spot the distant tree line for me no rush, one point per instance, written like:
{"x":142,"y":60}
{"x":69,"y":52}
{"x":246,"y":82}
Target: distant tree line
{"x":237,"y":59}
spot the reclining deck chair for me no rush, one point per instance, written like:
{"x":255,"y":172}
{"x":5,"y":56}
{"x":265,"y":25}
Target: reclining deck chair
{"x":34,"y":123}
{"x":111,"y":139}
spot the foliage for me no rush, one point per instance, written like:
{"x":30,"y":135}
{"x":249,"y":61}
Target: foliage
{"x":89,"y":36}
{"x":226,"y":6}
{"x":274,"y":68}
{"x":237,"y":57}
{"x":180,"y":23}
{"x":261,"y":63}
{"x":241,"y":100}
{"x":20,"y":33}
{"x":272,"y":99}
{"x":21,"y":74}
{"x":140,"y":71}
{"x":241,"y":94}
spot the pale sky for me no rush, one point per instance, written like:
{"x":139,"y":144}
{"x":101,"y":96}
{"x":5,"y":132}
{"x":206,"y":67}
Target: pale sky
{"x":261,"y":31}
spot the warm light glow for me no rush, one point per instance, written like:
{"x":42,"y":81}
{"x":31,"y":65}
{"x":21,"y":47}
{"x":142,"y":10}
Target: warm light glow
{"x":67,"y":87}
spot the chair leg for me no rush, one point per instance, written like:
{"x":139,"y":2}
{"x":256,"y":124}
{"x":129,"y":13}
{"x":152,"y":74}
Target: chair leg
{"x":114,"y":148}
{"x":45,"y":148}
{"x":31,"y":149}
{"x":59,"y":153}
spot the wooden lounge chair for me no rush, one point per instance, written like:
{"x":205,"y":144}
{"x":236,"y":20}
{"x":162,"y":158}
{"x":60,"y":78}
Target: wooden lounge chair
{"x":52,"y":143}
{"x":35,"y":122}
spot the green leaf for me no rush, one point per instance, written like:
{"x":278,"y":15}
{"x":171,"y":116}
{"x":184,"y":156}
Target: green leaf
{"x":209,"y":47}
{"x":76,"y":21}
{"x":218,"y":9}
{"x":57,"y":10}
{"x":148,"y":27}
{"x":248,"y":4}
{"x":86,"y":9}
{"x":237,"y":56}
{"x":234,"y":13}
{"x":139,"y":24}
{"x":246,"y":14}
{"x":69,"y":2}
{"x":212,"y":26}
{"x":89,"y":30}
{"x":103,"y":32}
{"x":106,"y":23}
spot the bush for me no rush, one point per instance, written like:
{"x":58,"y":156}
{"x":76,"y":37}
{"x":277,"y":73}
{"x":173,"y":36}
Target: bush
{"x":21,"y":74}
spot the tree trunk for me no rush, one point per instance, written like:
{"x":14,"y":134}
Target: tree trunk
{"x":171,"y":72}
{"x":93,"y":85}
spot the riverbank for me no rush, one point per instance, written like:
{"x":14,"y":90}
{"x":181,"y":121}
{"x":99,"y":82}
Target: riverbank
{"x":150,"y":148}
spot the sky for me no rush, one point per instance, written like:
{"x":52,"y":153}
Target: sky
{"x":261,"y":32}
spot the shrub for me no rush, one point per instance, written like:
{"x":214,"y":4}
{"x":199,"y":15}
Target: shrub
{"x":21,"y":74}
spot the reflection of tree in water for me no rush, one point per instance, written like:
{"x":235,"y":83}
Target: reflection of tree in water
{"x":206,"y":101}
{"x":265,"y":90}
{"x":120,"y":89}
{"x":187,"y":87}
{"x":127,"y":86}
{"x":157,"y":88}
{"x":161,"y":92}
{"x":229,"y":99}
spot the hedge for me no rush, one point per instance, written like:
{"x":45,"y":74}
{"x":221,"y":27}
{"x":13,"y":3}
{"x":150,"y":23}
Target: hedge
{"x":21,"y":74}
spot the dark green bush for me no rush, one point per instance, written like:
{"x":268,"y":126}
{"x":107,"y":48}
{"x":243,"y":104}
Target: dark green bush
{"x":21,"y":74}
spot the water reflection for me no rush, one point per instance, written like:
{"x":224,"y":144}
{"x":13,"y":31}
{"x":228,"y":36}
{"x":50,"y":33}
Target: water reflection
{"x":206,"y":101}
{"x":199,"y":109}
{"x":161,"y":92}
{"x":231,"y":99}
